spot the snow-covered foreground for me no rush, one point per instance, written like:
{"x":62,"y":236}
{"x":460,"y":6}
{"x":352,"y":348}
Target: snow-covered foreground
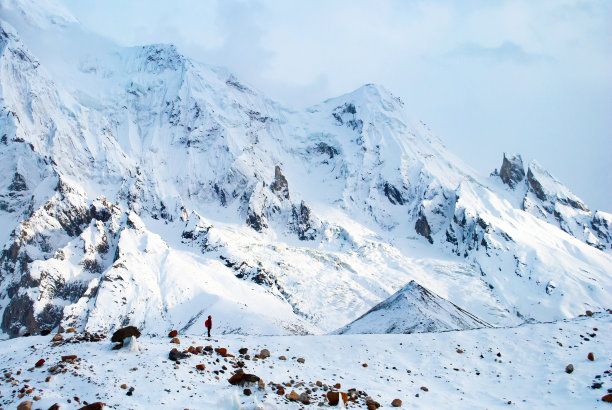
{"x":523,"y":366}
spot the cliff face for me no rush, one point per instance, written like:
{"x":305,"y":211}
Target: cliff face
{"x":141,"y":187}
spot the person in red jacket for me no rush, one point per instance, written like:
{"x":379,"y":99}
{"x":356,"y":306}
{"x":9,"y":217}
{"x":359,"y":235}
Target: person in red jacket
{"x":208,"y":324}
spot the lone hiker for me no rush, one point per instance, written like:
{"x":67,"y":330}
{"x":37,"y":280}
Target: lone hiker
{"x":208,"y":324}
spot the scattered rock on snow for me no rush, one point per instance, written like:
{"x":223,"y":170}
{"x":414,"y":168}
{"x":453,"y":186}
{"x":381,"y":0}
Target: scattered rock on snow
{"x":396,"y":403}
{"x":591,"y":356}
{"x":173,"y":334}
{"x":264,"y":353}
{"x":569,"y":368}
{"x":40,"y":363}
{"x":243,"y":350}
{"x":304,"y":398}
{"x":69,"y":358}
{"x":293,"y":396}
{"x":247,"y":392}
{"x":200,"y":366}
{"x":58,"y":337}
{"x":589,"y":313}
{"x":301,"y":360}
{"x":371,"y":403}
{"x":424,"y":388}
{"x":607,"y":398}
{"x":175,"y":355}
{"x":175,"y":340}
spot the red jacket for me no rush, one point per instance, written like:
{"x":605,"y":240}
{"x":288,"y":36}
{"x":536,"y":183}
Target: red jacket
{"x":208,"y":323}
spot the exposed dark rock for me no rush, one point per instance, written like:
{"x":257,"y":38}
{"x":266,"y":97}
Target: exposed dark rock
{"x":512,"y":171}
{"x":535,"y":185}
{"x":326,"y":149}
{"x":17,"y":314}
{"x":280,"y":185}
{"x":422,"y":228}
{"x":18,"y":183}
{"x":393,"y":194}
{"x":302,"y":223}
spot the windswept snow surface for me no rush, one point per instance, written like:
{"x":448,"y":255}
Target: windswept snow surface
{"x":519,"y":367}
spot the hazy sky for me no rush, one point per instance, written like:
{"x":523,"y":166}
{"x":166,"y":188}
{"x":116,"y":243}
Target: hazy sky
{"x":529,"y":77}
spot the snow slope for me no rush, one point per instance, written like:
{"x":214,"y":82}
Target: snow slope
{"x":520,"y":367}
{"x":141,"y":187}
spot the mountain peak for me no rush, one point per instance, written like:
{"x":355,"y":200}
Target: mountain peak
{"x":41,"y":14}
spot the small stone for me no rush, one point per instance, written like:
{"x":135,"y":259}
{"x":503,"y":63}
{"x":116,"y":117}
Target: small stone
{"x":175,"y":340}
{"x":69,"y":358}
{"x":596,"y":386}
{"x":56,"y":406}
{"x":591,"y":356}
{"x":173,"y":334}
{"x":37,"y":398}
{"x":301,"y":360}
{"x":607,"y":398}
{"x":264,"y":353}
{"x":247,"y":392}
{"x":424,"y":388}
{"x":589,"y":313}
{"x":261,"y":385}
{"x":200,"y":366}
{"x":396,"y":403}
{"x":371,"y":403}
{"x":364,"y":365}
{"x":221,"y":350}
{"x":459,"y":351}
{"x":40,"y":363}
{"x":243,"y":350}
{"x":319,"y":383}
{"x":304,"y":398}
{"x":48,"y":379}
{"x":569,"y":368}
{"x":58,"y":337}
{"x":282,"y":358}
{"x":237,"y":378}
{"x":280,"y":391}
{"x":71,"y":330}
{"x":293,"y":396}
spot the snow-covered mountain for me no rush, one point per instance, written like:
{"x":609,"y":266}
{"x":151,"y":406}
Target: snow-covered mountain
{"x":413,"y":309}
{"x":139,"y":186}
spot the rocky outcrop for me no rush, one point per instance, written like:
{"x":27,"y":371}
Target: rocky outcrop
{"x":422,"y":228}
{"x":280,"y":186}
{"x":512,"y":171}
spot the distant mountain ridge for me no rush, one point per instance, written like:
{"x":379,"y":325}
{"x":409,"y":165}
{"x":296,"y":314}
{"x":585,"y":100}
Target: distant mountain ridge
{"x":141,"y":187}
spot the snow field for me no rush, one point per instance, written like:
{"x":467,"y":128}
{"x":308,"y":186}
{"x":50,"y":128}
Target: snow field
{"x":519,"y":367}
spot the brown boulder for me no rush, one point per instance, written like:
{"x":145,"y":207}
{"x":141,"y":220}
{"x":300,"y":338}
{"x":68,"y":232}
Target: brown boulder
{"x":333,"y":397}
{"x":590,"y":356}
{"x":293,"y":396}
{"x":69,"y":358}
{"x":237,"y":378}
{"x":424,"y":388}
{"x":40,"y":363}
{"x":71,"y":330}
{"x":173,"y":333}
{"x":25,"y":405}
{"x":243,"y":350}
{"x":459,"y":351}
{"x":280,"y":391}
{"x":124,"y":333}
{"x":94,"y":406}
{"x":58,"y":337}
{"x":247,"y":392}
{"x":569,"y":368}
{"x":607,"y":398}
{"x":221,"y":350}
{"x":396,"y":403}
{"x":175,"y":340}
{"x":56,"y":406}
{"x":371,"y":403}
{"x":192,"y":350}
{"x":589,"y":313}
{"x":200,"y":366}
{"x":264,"y":353}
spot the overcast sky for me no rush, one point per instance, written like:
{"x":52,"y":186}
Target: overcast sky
{"x":529,"y":77}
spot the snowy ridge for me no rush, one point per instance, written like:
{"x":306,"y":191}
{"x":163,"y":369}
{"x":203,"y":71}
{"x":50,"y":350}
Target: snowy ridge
{"x":141,"y":187}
